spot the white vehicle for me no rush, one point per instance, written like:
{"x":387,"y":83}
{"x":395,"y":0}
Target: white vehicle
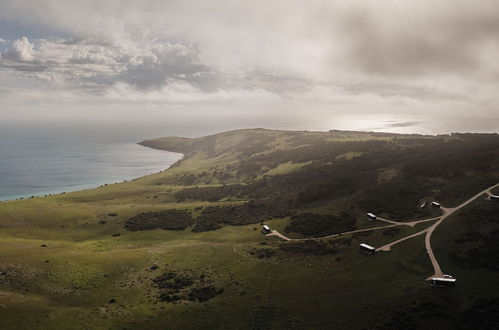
{"x":371,"y":216}
{"x":494,"y":198}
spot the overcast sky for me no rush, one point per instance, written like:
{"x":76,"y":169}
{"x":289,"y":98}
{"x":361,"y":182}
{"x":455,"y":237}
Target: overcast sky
{"x":273,"y":60}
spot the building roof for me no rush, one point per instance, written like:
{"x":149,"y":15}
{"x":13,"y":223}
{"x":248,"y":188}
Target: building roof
{"x":367,"y":246}
{"x":442,"y":279}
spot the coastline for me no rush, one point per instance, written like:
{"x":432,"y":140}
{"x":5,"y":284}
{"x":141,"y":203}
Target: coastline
{"x":174,"y":145}
{"x":96,"y":183}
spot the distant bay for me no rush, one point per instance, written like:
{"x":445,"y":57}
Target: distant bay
{"x":47,"y":159}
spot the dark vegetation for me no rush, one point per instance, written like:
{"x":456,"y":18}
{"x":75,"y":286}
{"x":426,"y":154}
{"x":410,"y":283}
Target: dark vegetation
{"x":313,"y":224}
{"x":262,"y":253}
{"x":448,"y":168}
{"x":483,"y":315}
{"x":16,"y":276}
{"x":399,"y":198}
{"x":483,"y":254}
{"x":174,"y":286}
{"x":204,"y":293}
{"x":168,"y":219}
{"x":476,"y":246}
{"x":391,"y":231}
{"x":419,"y":315}
{"x":213,"y":217}
{"x":172,"y":280}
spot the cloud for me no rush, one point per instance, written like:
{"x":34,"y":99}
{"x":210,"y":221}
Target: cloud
{"x":21,"y":50}
{"x":182,"y":92}
{"x":322,"y":40}
{"x":161,"y":62}
{"x":343,"y":56}
{"x":87,"y":64}
{"x":422,"y":38}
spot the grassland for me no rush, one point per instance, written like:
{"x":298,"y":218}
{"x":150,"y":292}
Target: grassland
{"x":68,"y":261}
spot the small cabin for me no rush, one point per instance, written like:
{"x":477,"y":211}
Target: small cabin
{"x":446,"y":281}
{"x":266,"y":229}
{"x":367,"y":249}
{"x":371,"y":217}
{"x":494,"y":198}
{"x":435,"y":204}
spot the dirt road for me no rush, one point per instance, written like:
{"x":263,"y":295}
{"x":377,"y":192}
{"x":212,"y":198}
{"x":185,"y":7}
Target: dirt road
{"x":278,"y":234}
{"x":393,"y":224}
{"x":410,"y":223}
{"x":429,"y":231}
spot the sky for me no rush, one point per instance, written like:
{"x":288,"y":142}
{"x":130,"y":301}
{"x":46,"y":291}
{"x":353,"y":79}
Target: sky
{"x":274,"y":63}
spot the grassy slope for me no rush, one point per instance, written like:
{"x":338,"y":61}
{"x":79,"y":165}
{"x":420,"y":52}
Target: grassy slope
{"x":69,"y":283}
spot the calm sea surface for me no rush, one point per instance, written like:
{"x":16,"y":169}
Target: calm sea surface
{"x":38,"y":160}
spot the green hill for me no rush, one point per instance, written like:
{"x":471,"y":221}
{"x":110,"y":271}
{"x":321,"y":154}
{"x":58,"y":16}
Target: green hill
{"x":182,"y":249}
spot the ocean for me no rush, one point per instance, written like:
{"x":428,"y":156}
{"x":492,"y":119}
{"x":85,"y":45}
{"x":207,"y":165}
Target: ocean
{"x":47,"y":159}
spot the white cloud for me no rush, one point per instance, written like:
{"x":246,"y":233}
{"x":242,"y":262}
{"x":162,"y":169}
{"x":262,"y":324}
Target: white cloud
{"x":341,"y":55}
{"x":86,"y":64}
{"x":183,"y":92}
{"x":21,"y":50}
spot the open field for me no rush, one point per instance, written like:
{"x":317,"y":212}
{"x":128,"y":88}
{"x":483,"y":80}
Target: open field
{"x":69,"y":262}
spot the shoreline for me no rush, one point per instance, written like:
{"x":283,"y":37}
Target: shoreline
{"x":175,"y":148}
{"x":93,"y":185}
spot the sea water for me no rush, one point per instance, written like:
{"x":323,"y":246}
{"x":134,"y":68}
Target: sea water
{"x":46,"y":158}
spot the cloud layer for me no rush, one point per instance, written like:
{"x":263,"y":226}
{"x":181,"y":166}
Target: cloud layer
{"x":361,"y":56}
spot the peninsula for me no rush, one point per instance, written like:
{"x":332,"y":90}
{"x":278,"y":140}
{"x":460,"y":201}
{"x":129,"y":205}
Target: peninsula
{"x":184,"y":248}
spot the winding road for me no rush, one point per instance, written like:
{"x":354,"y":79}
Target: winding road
{"x":278,"y":234}
{"x":429,"y":230}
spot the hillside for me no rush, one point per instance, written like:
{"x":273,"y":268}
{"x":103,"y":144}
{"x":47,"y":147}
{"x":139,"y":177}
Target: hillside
{"x":183,"y":248}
